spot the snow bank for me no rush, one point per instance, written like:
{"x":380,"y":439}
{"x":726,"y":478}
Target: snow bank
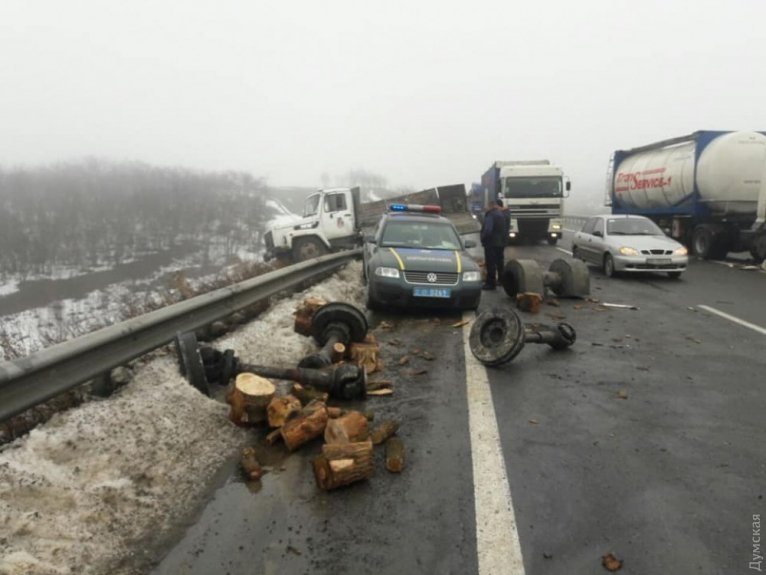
{"x":9,"y":287}
{"x":84,"y":492}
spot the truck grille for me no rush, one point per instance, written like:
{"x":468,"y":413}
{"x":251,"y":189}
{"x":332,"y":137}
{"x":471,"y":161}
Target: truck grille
{"x":441,"y":278}
{"x":656,"y":252}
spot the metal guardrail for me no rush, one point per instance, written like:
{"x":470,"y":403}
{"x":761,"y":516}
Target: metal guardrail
{"x":31,"y":380}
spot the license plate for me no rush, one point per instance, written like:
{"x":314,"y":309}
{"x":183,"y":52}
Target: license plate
{"x":431,"y":292}
{"x":658,"y":260}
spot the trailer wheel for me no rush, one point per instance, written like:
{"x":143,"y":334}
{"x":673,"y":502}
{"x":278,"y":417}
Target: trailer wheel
{"x":758,"y":250}
{"x":307,"y":249}
{"x":552,"y":241}
{"x":707,"y":244}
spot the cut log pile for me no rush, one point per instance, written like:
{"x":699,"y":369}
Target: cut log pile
{"x":301,"y":415}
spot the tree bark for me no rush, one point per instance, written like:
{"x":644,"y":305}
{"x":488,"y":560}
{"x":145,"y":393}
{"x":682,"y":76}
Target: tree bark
{"x":349,"y":428}
{"x":394,"y":455}
{"x":305,"y":426}
{"x":281,"y":409}
{"x":385,"y":430}
{"x":342,"y":464}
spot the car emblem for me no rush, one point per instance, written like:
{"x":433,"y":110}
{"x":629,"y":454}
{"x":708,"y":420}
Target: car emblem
{"x":431,"y":278}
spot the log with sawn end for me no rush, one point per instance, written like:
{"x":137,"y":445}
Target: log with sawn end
{"x":394,"y":455}
{"x":250,"y":465}
{"x":349,"y":428}
{"x":281,"y":409}
{"x":305,"y":426}
{"x":342,"y":464}
{"x":383,"y":431}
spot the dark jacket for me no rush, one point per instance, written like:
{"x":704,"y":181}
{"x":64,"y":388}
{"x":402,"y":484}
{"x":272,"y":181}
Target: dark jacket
{"x":494,"y":230}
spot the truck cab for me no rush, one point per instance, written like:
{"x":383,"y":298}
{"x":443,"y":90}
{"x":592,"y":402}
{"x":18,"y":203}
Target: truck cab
{"x":329,"y":222}
{"x":534,"y":195}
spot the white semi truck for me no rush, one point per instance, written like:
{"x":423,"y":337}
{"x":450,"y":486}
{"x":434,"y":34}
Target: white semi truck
{"x":533,"y":192}
{"x":708,"y":189}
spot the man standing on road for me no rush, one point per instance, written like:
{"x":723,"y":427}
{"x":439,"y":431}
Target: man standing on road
{"x":494,"y":234}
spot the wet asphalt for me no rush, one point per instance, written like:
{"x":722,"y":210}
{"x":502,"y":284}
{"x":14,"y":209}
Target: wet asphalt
{"x":645,"y":440}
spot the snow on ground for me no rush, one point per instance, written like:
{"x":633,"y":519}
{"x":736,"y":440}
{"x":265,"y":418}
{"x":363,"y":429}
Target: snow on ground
{"x":83,"y":493}
{"x":9,"y":287}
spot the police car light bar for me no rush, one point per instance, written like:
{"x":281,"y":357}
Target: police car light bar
{"x":426,"y":209}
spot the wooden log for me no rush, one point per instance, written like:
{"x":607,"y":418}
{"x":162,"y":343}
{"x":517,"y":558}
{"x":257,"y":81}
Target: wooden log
{"x":306,"y":394}
{"x":338,"y":352}
{"x":367,"y":354}
{"x":335,"y":412}
{"x":305,"y":426}
{"x":249,"y":397}
{"x":280,"y":409}
{"x":305,"y":313}
{"x":250,"y":465}
{"x":529,"y":301}
{"x":350,"y":428}
{"x":381,"y":392}
{"x":394,"y":455}
{"x":342,"y":464}
{"x":385,"y":430}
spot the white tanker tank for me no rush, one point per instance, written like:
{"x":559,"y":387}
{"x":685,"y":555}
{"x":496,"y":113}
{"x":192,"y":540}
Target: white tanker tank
{"x":708,"y":188}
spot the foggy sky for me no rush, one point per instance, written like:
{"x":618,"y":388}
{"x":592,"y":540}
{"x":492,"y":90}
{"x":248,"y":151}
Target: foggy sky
{"x":422,"y":92}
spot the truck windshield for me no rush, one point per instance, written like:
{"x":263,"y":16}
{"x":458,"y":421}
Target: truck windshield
{"x":311,"y":207}
{"x":542,"y":187}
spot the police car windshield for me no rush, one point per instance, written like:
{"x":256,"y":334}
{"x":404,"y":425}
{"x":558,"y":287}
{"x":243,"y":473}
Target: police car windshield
{"x":423,"y":235}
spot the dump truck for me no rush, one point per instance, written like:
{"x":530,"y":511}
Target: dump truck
{"x":533,"y":191}
{"x":706,"y":190}
{"x":335,"y":219}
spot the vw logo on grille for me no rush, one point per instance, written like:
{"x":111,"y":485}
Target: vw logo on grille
{"x":431,"y":278}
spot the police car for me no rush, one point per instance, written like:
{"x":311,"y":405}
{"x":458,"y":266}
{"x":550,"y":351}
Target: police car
{"x":416,"y":258}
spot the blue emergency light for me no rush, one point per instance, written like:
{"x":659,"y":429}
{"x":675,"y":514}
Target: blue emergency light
{"x":426,"y":209}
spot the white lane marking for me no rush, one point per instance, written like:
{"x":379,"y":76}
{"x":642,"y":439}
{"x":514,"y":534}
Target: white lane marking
{"x":741,"y":322}
{"x":563,"y":250}
{"x":497,"y":538}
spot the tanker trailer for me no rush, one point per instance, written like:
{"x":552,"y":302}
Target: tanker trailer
{"x":708,"y":189}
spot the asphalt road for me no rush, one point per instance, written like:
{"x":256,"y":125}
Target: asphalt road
{"x":645,"y":440}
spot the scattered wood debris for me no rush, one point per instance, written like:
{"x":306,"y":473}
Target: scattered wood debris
{"x":529,"y":302}
{"x":305,"y":426}
{"x":611,"y":563}
{"x":280,"y":409}
{"x":349,"y":428}
{"x":250,"y":465}
{"x":394,"y":455}
{"x":367,"y":354}
{"x":249,"y":398}
{"x":620,"y":306}
{"x":460,"y":323}
{"x":342,"y":464}
{"x":385,"y":430}
{"x":305,"y":313}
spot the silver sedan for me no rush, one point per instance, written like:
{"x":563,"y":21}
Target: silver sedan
{"x":618,"y":243}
